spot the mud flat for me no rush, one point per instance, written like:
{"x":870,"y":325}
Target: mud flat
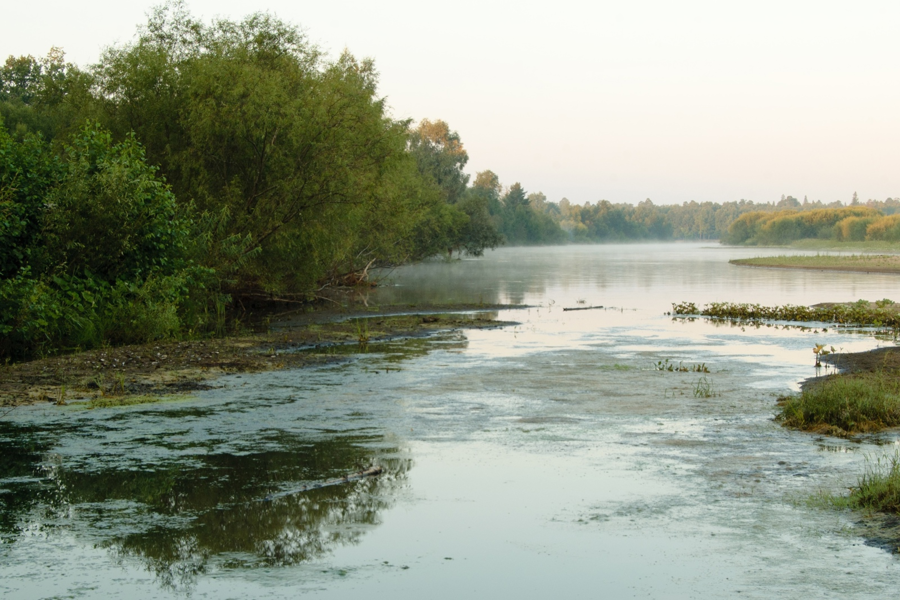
{"x":142,"y":373}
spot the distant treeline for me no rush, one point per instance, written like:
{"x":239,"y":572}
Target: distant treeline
{"x":849,"y":224}
{"x":534,"y":220}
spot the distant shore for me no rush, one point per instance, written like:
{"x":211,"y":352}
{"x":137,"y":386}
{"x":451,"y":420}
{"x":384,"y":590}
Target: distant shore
{"x":857,"y":263}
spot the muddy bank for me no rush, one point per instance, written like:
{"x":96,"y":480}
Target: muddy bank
{"x":885,"y":359}
{"x":846,"y":363}
{"x":177,"y":367}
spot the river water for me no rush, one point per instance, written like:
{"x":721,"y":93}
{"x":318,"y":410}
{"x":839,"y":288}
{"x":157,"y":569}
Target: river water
{"x":550,"y":457}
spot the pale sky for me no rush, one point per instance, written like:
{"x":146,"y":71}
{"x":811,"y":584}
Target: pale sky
{"x":674,"y":101}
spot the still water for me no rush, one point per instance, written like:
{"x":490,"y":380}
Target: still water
{"x":546,"y":458}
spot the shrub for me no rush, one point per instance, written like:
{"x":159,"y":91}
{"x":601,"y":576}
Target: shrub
{"x":885,"y":229}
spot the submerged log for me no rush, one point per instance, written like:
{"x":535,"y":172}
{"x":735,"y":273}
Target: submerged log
{"x":583,"y":308}
{"x":370,"y":472}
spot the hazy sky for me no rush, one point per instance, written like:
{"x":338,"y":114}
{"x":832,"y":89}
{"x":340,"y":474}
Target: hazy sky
{"x":674,"y":101}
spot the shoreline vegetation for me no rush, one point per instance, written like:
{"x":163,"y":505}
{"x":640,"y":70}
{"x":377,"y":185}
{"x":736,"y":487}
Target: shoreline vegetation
{"x":863,"y":397}
{"x":881,"y":313}
{"x":858,"y":263}
{"x":167,"y":370}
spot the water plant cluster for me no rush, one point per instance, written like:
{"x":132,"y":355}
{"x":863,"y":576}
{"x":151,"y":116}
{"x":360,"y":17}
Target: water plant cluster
{"x":666,"y":365}
{"x":882,"y":313}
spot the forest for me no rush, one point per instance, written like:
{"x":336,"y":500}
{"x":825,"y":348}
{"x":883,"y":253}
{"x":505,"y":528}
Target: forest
{"x":205,"y":163}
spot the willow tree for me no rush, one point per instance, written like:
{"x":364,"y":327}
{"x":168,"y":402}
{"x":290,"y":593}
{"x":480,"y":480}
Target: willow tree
{"x":291,"y":157}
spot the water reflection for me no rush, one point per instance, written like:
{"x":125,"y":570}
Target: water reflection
{"x":182,"y":518}
{"x":549,"y":455}
{"x":22,"y":452}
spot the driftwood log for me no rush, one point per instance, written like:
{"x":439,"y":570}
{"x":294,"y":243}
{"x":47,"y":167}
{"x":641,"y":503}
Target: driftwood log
{"x":370,"y":472}
{"x":583,"y":308}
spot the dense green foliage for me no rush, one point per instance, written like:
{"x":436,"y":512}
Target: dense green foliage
{"x":783,"y":227}
{"x":204,"y":161}
{"x":96,"y":248}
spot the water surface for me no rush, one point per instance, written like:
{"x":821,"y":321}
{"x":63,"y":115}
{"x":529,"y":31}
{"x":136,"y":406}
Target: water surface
{"x":545,"y":458}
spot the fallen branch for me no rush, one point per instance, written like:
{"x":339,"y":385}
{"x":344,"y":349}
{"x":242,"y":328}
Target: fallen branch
{"x":583,"y":308}
{"x":370,"y":472}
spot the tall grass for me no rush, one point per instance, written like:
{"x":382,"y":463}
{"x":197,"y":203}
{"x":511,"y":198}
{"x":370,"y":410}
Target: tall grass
{"x":845,"y":404}
{"x":878,"y":488}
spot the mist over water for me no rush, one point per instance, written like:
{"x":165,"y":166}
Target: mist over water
{"x":544,"y":458}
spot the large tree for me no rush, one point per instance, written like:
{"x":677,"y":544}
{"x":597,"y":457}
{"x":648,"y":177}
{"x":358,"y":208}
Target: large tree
{"x":440,"y":155}
{"x":291,"y":156}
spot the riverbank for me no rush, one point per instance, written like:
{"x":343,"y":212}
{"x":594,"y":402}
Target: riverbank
{"x":152,"y":372}
{"x":857,"y":263}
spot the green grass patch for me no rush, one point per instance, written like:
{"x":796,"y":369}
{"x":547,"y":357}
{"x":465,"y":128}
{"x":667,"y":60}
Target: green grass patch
{"x":879,"y":263}
{"x":116,"y":401}
{"x":877,"y":488}
{"x":826,"y":245}
{"x":844,"y":405}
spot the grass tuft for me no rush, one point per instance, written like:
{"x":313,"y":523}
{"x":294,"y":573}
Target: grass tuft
{"x":878,"y":488}
{"x":843,"y":405}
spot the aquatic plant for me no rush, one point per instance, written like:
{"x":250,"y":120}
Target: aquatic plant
{"x":843,"y":405}
{"x":860,"y":313}
{"x":362,"y":331}
{"x":820,"y":351}
{"x":703,"y":388}
{"x":665,"y":365}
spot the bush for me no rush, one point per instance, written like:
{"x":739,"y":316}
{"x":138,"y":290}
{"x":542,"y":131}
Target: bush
{"x":884,"y":229}
{"x":852,"y":229}
{"x":94,"y":249}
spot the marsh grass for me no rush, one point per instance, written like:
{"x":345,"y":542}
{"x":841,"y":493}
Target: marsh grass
{"x":844,"y":405}
{"x":880,"y":263}
{"x":703,"y":388}
{"x":832,"y":245}
{"x":877,"y":488}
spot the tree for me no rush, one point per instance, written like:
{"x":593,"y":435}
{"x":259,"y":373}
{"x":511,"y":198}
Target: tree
{"x":440,"y":155}
{"x":44,"y":96}
{"x":292,"y":156}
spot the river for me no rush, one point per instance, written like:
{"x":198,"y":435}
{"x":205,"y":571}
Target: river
{"x":552,"y":457}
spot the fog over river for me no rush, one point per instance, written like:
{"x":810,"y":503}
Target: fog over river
{"x":547,"y":459}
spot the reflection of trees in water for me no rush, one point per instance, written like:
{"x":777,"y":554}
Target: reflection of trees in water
{"x":284,"y":531}
{"x":207,"y":509}
{"x":21,"y":452}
